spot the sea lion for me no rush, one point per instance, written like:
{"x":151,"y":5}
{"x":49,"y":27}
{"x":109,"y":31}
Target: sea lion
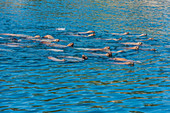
{"x":48,"y":37}
{"x":134,"y":48}
{"x":132,"y":43}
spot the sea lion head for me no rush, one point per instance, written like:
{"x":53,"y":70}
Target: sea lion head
{"x":70,"y":45}
{"x":37,"y":36}
{"x":107,"y":47}
{"x":130,"y":63}
{"x":140,"y":43}
{"x":109,"y":54}
{"x":120,"y":38}
{"x":153,"y":49}
{"x":136,"y":47}
{"x":84,"y":57}
{"x":56,"y":40}
{"x":126,"y":33}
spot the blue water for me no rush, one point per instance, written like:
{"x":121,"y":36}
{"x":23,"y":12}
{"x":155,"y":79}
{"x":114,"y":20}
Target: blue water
{"x":30,"y":82}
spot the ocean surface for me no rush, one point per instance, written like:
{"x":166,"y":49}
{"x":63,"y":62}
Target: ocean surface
{"x":30,"y":82}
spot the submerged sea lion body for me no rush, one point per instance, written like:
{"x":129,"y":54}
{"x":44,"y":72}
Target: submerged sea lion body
{"x":69,"y":58}
{"x":17,"y":35}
